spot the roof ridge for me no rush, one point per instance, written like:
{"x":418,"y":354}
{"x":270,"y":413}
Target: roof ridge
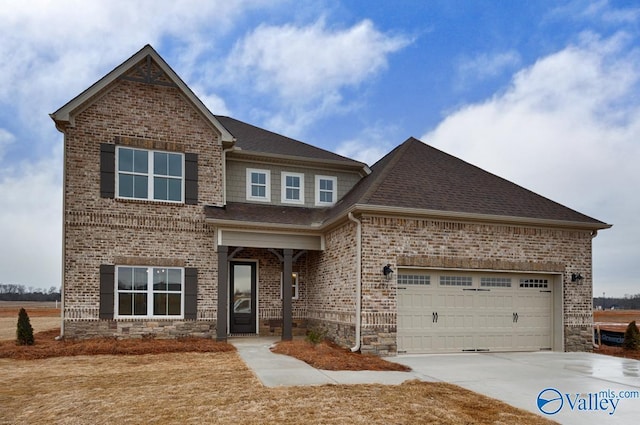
{"x":396,"y":154}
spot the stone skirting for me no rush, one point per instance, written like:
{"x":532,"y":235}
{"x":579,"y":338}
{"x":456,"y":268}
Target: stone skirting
{"x":343,"y":334}
{"x":161,"y":329}
{"x":578,"y":338}
{"x":273,"y":327}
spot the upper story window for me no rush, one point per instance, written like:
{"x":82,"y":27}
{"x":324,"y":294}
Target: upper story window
{"x":258,"y":185}
{"x":154,"y":175}
{"x":326,"y":190}
{"x":149,"y":292}
{"x":292,"y":188}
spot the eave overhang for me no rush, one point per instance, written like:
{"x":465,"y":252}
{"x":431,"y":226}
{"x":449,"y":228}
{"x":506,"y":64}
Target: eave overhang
{"x":256,"y":156}
{"x":473,"y":217}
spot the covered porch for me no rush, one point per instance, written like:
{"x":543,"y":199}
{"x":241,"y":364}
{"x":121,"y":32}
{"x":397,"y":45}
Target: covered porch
{"x":262,"y":281}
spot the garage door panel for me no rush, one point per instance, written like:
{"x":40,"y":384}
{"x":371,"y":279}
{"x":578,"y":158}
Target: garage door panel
{"x":501,"y":313}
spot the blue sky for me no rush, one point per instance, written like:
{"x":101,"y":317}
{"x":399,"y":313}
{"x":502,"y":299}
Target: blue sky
{"x":543,"y":93}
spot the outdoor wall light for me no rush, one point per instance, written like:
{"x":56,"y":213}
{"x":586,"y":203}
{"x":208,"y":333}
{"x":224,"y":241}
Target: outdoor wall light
{"x":576,"y":277}
{"x":387,"y":271}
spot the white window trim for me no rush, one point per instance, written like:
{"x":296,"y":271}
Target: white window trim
{"x":267,"y":197}
{"x":283,"y":176}
{"x":150,"y":175}
{"x":334,"y":192}
{"x":295,"y":286}
{"x":149,"y":293}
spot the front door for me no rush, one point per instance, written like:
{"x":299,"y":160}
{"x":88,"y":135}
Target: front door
{"x":242,"y":308}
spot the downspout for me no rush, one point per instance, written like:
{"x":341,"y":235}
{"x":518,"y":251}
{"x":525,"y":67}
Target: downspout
{"x":358,"y":280}
{"x":594,"y":343}
{"x":64,"y":232}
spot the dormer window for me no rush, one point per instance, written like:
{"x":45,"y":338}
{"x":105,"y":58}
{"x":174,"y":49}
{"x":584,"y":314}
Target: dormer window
{"x":292,"y":188}
{"x":326,"y":190}
{"x":258,"y":185}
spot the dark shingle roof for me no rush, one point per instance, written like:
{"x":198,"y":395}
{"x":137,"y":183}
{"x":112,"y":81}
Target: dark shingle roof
{"x":255,"y":139}
{"x":271,"y":214}
{"x":418,"y":176}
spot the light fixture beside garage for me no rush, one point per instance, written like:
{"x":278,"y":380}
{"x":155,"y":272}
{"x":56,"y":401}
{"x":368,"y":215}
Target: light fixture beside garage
{"x":387,"y":271}
{"x":575,"y":277}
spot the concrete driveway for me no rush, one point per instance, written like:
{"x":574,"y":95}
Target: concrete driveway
{"x":573,"y":388}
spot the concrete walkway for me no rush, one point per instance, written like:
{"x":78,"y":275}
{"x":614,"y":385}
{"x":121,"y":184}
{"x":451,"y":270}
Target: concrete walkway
{"x":574,"y":388}
{"x":275,"y":370}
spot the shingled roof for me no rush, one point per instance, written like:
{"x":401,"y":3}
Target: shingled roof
{"x":420,"y":179}
{"x":417,"y":176}
{"x":252,"y":139}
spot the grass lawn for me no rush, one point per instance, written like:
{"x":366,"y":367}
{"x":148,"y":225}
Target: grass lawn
{"x":146,"y":382}
{"x":218,"y":388}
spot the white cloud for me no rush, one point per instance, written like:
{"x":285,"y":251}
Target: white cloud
{"x":31,"y":222}
{"x":370,"y":145}
{"x":6,"y":139}
{"x":307,"y":67}
{"x":302,"y":63}
{"x":568,"y":128}
{"x":53,"y":50}
{"x":484,"y":66}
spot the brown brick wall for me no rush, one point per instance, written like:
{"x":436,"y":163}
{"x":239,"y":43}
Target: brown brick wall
{"x":110,"y":231}
{"x":331,"y":287}
{"x":432,"y":243}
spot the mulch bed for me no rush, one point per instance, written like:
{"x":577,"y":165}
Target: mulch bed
{"x":46,"y":346}
{"x":617,"y":352}
{"x":329,"y":356}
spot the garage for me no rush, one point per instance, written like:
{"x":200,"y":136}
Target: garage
{"x":445,"y":312}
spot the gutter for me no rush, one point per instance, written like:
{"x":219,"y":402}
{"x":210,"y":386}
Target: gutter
{"x":358,"y":280}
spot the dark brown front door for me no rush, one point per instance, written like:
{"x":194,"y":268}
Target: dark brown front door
{"x":242,"y":290}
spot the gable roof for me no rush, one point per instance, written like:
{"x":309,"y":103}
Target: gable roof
{"x":151,"y":57}
{"x":255,"y":140}
{"x":415,"y":176}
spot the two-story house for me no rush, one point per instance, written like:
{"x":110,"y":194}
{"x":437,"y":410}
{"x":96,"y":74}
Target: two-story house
{"x":180,"y":222}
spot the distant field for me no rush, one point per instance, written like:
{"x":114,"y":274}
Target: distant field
{"x":615,"y":320}
{"x":43,"y":316}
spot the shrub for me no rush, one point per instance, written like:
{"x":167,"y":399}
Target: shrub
{"x":24,"y":332}
{"x":631,"y":337}
{"x":315,"y":336}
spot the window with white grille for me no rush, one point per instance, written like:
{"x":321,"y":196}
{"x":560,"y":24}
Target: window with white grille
{"x":456,"y":281}
{"x":413,"y":279}
{"x":495,"y":282}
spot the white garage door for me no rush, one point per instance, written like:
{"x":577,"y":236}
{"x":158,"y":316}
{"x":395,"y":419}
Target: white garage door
{"x":444,"y":312}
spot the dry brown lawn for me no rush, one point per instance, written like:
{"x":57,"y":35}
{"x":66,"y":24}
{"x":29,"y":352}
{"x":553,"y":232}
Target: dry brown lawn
{"x":208,"y":387}
{"x":182,"y":388}
{"x":43,"y":316}
{"x":616,"y":320}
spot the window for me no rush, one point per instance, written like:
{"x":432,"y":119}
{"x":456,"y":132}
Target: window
{"x":413,"y":279}
{"x":151,"y":175}
{"x":149,"y":292}
{"x":294,"y":285}
{"x":258,"y":185}
{"x":495,"y":282}
{"x":456,"y":280}
{"x":292,"y":188}
{"x":326,"y":188}
{"x":534,"y":283}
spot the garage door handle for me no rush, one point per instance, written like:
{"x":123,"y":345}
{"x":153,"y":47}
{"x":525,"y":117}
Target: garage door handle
{"x":434,"y":317}
{"x":515,"y":317}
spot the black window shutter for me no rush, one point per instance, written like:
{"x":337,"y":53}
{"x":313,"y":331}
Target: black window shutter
{"x":191,"y":178}
{"x":107,"y":170}
{"x":190,"y":293}
{"x":107,"y":285}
